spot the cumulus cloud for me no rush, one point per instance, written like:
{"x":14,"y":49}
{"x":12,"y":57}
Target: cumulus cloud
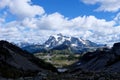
{"x":22,"y":8}
{"x":54,"y":21}
{"x":117,"y":18}
{"x":29,"y":22}
{"x":105,"y":5}
{"x":2,"y":20}
{"x":38,"y":29}
{"x":4,"y":3}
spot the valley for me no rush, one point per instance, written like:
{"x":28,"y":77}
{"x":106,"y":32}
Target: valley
{"x":59,"y":60}
{"x":100,"y":64}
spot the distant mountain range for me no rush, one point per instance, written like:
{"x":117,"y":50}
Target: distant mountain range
{"x":60,"y":42}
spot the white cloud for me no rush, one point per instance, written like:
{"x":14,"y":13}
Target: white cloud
{"x":105,"y":5}
{"x":2,"y":20}
{"x":22,"y":8}
{"x":4,"y":3}
{"x":117,"y":18}
{"x":54,"y":21}
{"x":38,"y":29}
{"x":30,"y":22}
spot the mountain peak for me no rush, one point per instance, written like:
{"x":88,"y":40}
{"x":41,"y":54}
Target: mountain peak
{"x":74,"y":43}
{"x":61,"y":42}
{"x":60,"y":34}
{"x":3,"y":42}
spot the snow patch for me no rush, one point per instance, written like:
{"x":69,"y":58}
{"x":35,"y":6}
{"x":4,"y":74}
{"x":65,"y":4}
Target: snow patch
{"x":74,"y":45}
{"x":81,"y":40}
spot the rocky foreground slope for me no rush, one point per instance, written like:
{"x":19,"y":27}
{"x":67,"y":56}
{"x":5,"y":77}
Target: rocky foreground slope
{"x":107,"y":60}
{"x":16,"y":63}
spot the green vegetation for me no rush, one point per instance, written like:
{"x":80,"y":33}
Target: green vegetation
{"x":59,"y":58}
{"x":65,"y":51}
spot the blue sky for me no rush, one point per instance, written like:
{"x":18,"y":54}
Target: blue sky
{"x":73,"y":8}
{"x":36,"y":20}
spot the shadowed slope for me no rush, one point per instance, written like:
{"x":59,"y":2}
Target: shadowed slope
{"x":15,"y":62}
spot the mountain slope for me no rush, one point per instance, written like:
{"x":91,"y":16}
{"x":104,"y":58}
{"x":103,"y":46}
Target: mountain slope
{"x":60,"y":42}
{"x":15,"y":62}
{"x":59,"y":39}
{"x":107,"y":60}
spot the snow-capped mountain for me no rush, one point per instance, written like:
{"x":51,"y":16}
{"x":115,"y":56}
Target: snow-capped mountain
{"x":60,"y":42}
{"x":59,"y":39}
{"x":23,"y":44}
